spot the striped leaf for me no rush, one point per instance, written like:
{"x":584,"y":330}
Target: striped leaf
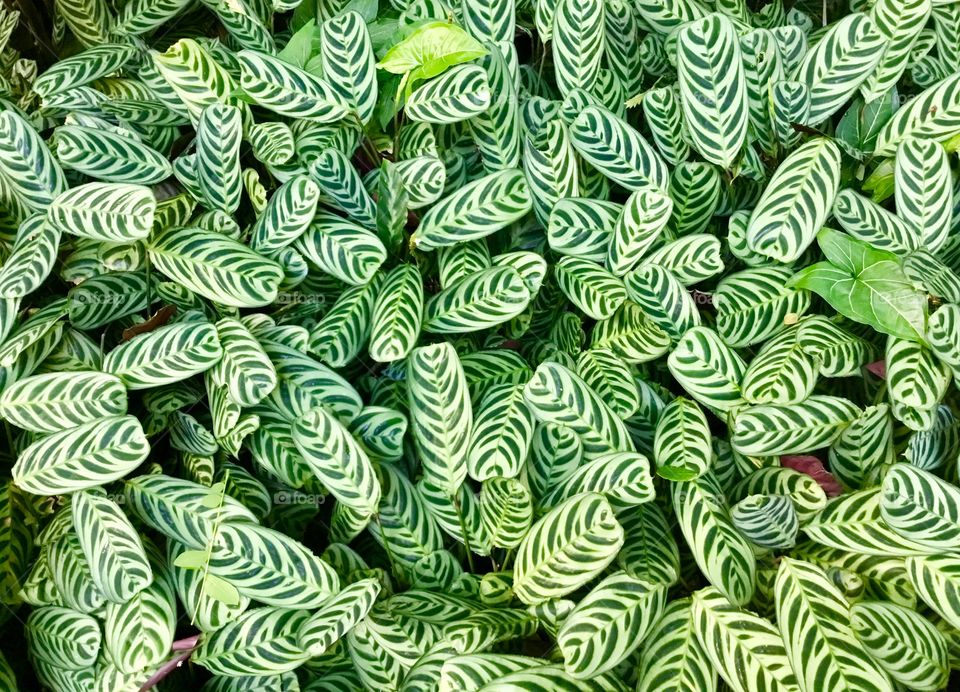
{"x":557,"y":395}
{"x":482,"y":629}
{"x":506,"y":511}
{"x":708,"y":369}
{"x":288,"y":213}
{"x":215,"y":267}
{"x":590,"y":287}
{"x":180,"y":509}
{"x":63,"y":637}
{"x":219,"y":132}
{"x":682,"y":443}
{"x":745,"y":649}
{"x":82,"y":68}
{"x":288,"y":90}
{"x":782,"y":372}
{"x":854,"y":523}
{"x":768,"y":521}
{"x":111,"y":546}
{"x":672,"y":657}
{"x":341,"y":183}
{"x":906,"y":645}
{"x":570,"y":545}
{"x":773,"y":429}
{"x":900,"y":23}
{"x":839,"y":63}
{"x":107,"y":156}
{"x":397,"y":315}
{"x":623,"y":477}
{"x":639,"y":226}
{"x":31,"y":176}
{"x":608,"y":623}
{"x":722,"y":553}
{"x":81,"y":457}
{"x":270,"y":567}
{"x":244,"y":368}
{"x":502,"y":433}
{"x":578,"y":41}
{"x":795,"y":201}
{"x":713,"y":89}
{"x":139,"y":632}
{"x":337,"y":460}
{"x":933,"y":114}
{"x":815,"y":622}
{"x":260,"y":642}
{"x":31,"y":258}
{"x":58,"y":401}
{"x":617,"y":150}
{"x":920,"y":507}
{"x":166,"y":355}
{"x":441,"y":418}
{"x":478,"y":301}
{"x":924,"y":190}
{"x":347,"y":62}
{"x":458,"y":94}
{"x":582,"y":227}
{"x":476,"y":210}
{"x":111,"y":212}
{"x":337,"y":616}
{"x":691,"y":259}
{"x":663,"y":298}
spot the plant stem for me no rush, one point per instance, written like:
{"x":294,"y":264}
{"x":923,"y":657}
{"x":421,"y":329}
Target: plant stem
{"x":386,"y":547}
{"x":463,"y":530}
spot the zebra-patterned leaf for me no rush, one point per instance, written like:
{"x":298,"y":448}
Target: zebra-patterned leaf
{"x":169,"y":354}
{"x":906,"y":645}
{"x":920,"y":507}
{"x":617,"y":150}
{"x":441,"y":417}
{"x":110,"y":157}
{"x":577,"y":46}
{"x":608,"y":624}
{"x":216,"y":267}
{"x":337,"y":616}
{"x":745,"y":649}
{"x":83,"y":456}
{"x":459,"y":94}
{"x":478,"y":301}
{"x":260,"y":642}
{"x":570,"y":545}
{"x":111,"y":212}
{"x":815,"y":622}
{"x":839,"y":63}
{"x":347,"y":62}
{"x":338,"y":460}
{"x":773,"y":429}
{"x":722,"y":553}
{"x":713,"y":90}
{"x":397,"y":315}
{"x":288,"y":90}
{"x":219,"y":132}
{"x":111,"y":546}
{"x":795,"y":201}
{"x":59,"y":401}
{"x":270,"y":567}
{"x":475,"y":210}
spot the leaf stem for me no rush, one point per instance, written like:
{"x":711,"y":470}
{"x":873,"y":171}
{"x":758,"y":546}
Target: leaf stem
{"x":386,"y":547}
{"x":463,"y":530}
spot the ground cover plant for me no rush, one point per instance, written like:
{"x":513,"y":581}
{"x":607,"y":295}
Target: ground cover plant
{"x":553,"y":345}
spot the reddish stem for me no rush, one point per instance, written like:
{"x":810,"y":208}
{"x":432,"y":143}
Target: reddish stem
{"x":185,"y":647}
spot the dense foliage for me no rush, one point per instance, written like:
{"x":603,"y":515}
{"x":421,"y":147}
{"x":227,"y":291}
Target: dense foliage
{"x":535,"y":345}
